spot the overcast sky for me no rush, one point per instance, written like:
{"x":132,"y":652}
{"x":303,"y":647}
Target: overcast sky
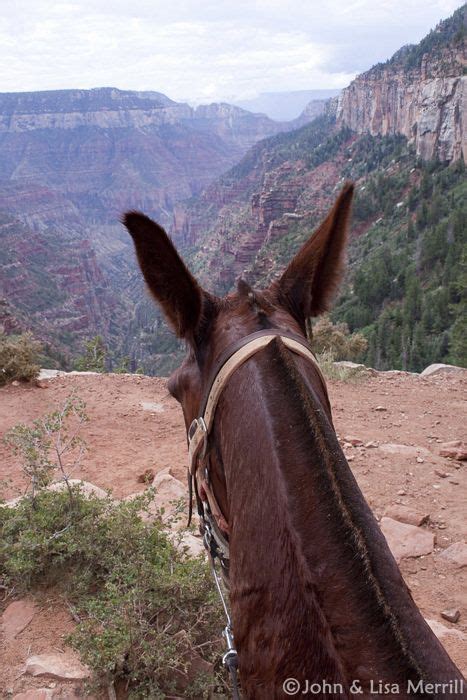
{"x":204,"y":51}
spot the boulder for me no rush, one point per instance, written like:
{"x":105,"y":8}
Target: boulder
{"x":451,"y":444}
{"x":168,"y":488}
{"x":449,"y":452}
{"x":66,"y":666}
{"x":443,"y":632}
{"x":192,"y":667}
{"x":16,"y":617}
{"x":455,"y":449}
{"x":406,"y":540}
{"x":194,"y":545}
{"x":391,"y":448}
{"x":47,"y":374}
{"x":451,"y":615}
{"x":355,"y":367}
{"x":439,"y":368}
{"x":35,"y":694}
{"x":455,"y":555}
{"x":86,"y":487}
{"x":346,"y":364}
{"x":404,"y":514}
{"x":169,"y":491}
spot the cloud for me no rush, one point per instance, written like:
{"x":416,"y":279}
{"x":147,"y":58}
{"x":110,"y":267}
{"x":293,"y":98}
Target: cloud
{"x":203,"y":51}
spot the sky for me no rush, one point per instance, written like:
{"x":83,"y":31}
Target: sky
{"x":208,"y":51}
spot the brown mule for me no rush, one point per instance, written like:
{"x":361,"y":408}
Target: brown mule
{"x":315,"y":592}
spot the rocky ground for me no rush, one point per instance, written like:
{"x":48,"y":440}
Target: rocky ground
{"x":394,"y":428}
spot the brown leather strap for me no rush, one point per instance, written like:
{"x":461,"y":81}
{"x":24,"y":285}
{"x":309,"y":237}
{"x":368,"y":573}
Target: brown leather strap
{"x":228,"y":352}
{"x":206,"y":493}
{"x":229,"y":361}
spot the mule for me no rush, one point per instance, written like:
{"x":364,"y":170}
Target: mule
{"x":316,"y":595}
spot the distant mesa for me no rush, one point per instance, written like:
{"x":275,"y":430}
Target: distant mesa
{"x":285,"y":106}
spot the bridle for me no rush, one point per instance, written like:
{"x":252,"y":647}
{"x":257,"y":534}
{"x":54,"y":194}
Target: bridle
{"x":213,"y":524}
{"x":200,"y":428}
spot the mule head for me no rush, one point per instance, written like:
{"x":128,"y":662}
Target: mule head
{"x":210,"y":324}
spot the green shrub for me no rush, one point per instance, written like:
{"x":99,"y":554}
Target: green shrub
{"x":51,"y":446}
{"x":149,"y":615}
{"x":335,"y":339}
{"x":18,"y":358}
{"x":95,"y":356}
{"x":146,"y":608}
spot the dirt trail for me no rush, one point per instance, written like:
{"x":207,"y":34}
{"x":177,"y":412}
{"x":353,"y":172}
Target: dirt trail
{"x":135,"y":425}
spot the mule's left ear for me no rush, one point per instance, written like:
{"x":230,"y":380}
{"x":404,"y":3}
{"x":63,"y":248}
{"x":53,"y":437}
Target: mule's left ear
{"x":310,"y":281}
{"x":171,"y":283}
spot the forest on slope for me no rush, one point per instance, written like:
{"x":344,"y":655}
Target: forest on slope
{"x":407,"y":283}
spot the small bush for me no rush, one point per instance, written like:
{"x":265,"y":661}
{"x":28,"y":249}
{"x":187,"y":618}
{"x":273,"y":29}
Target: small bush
{"x":51,"y":445}
{"x":148,"y":612}
{"x":335,"y":339}
{"x":94,"y":358}
{"x":149,"y":615}
{"x":18,"y":358}
{"x":332,"y":370}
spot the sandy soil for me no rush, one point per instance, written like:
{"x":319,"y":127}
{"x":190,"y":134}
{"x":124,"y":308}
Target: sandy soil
{"x":135,"y":425}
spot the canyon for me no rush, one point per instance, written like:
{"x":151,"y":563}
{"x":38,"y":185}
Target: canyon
{"x":71,"y":162}
{"x":398,"y":131}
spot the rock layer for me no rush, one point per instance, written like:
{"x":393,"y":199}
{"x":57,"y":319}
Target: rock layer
{"x":427,"y":103}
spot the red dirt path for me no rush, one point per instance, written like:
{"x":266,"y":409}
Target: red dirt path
{"x":126,"y":436}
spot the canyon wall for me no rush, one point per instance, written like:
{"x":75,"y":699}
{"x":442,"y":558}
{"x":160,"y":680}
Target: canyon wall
{"x":427,"y":103}
{"x":71,"y":162}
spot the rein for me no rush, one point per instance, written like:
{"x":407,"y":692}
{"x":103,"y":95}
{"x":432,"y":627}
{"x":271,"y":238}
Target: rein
{"x":213,"y":524}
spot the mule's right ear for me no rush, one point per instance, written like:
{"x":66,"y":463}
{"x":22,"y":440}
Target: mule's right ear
{"x":308,"y":284}
{"x":166,"y":275}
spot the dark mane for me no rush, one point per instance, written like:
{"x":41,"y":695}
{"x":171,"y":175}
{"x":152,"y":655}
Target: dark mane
{"x":333,"y":485}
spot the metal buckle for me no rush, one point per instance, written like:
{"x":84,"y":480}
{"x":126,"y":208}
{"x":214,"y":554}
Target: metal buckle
{"x":192,"y":429}
{"x":195,"y":425}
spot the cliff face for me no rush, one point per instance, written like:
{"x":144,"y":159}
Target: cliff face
{"x":250,"y":221}
{"x":53,"y":284}
{"x":239,"y":225}
{"x":109,"y":150}
{"x":420,"y":93}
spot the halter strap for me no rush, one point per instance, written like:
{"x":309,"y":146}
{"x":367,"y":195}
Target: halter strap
{"x":228,"y":362}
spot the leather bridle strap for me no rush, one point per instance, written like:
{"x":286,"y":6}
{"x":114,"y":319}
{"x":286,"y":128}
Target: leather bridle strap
{"x":230,"y":361}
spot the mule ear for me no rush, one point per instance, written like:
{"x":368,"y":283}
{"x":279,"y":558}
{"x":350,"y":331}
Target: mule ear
{"x":166,"y":275}
{"x":310,"y":281}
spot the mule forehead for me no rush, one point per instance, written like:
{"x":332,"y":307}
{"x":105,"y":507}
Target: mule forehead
{"x":232,"y":318}
{"x":239,"y":315}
